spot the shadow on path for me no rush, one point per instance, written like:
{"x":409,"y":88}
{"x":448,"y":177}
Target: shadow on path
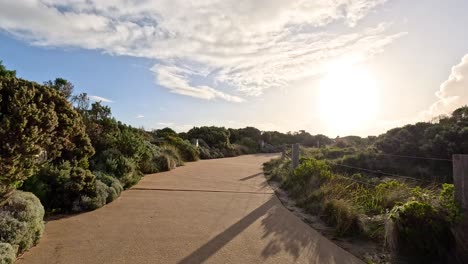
{"x":251,"y":176}
{"x":215,"y":244}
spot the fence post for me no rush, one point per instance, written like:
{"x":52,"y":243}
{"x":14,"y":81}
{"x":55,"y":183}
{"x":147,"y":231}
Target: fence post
{"x":295,"y":155}
{"x":460,"y":182}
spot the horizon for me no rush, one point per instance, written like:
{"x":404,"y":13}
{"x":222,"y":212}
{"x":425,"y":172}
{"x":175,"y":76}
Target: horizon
{"x":270,"y":65}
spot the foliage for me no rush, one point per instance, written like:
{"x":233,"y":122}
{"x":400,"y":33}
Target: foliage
{"x":7,"y":253}
{"x":4,"y":72}
{"x":113,"y":162}
{"x":63,"y":86}
{"x":448,"y":205}
{"x":217,"y":137}
{"x":93,"y":200}
{"x":417,"y":229}
{"x":36,"y":120}
{"x":114,"y":186}
{"x":60,"y":186}
{"x":343,"y":216}
{"x":21,"y":222}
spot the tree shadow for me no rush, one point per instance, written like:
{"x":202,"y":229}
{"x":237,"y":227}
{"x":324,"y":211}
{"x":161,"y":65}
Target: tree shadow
{"x":251,"y":176}
{"x":287,"y":233}
{"x":284,"y":234}
{"x":215,"y":244}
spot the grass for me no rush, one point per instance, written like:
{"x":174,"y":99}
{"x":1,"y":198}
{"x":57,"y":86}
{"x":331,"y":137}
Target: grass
{"x":388,"y":211}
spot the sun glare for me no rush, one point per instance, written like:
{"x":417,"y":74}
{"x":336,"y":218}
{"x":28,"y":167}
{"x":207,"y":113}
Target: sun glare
{"x":348,"y":99}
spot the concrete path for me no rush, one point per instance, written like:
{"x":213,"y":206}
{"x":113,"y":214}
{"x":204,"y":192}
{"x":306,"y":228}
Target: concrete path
{"x":213,"y":211}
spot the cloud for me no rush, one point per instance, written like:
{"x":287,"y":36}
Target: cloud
{"x":165,"y":124}
{"x":139,"y":116}
{"x":99,"y":99}
{"x":453,"y":93}
{"x":204,"y":48}
{"x":177,"y":80}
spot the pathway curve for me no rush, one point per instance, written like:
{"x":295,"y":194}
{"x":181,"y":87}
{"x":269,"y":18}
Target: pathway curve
{"x":213,"y":211}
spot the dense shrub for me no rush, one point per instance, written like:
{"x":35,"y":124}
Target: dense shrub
{"x":309,"y":174}
{"x":59,"y":186}
{"x":250,"y":143}
{"x":94,"y":200}
{"x":172,"y":154}
{"x":21,"y":223}
{"x":114,"y":186}
{"x":186,"y":150}
{"x":113,"y":162}
{"x":7,"y":253}
{"x":36,"y":119}
{"x":417,"y":229}
{"x":168,"y":159}
{"x":148,"y":162}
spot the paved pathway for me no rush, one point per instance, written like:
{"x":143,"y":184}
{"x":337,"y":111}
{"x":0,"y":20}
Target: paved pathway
{"x":213,"y":211}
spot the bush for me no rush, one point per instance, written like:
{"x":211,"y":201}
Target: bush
{"x":172,"y":155}
{"x":92,"y":201}
{"x":250,"y":143}
{"x":60,"y":186}
{"x":309,"y":174}
{"x":147,"y":164}
{"x":21,"y":221}
{"x":7,"y":253}
{"x":417,"y":229}
{"x":36,"y":119}
{"x":112,"y":161}
{"x":448,"y":205}
{"x":114,"y":186}
{"x":343,"y":217}
{"x":186,"y":150}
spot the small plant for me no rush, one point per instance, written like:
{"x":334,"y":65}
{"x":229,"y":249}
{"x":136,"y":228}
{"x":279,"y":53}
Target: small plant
{"x":343,"y":217}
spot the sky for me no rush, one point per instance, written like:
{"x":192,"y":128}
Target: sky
{"x":337,"y":67}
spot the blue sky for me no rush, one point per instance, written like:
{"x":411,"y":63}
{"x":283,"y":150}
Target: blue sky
{"x":239,"y":63}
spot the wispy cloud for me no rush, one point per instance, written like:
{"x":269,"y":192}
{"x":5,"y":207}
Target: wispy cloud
{"x":139,"y":116}
{"x":211,"y":49}
{"x":99,"y":99}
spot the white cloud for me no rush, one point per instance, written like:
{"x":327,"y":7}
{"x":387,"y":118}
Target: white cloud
{"x":453,"y":93}
{"x":139,"y":116}
{"x":242,"y":45}
{"x":177,"y":80}
{"x":99,"y":99}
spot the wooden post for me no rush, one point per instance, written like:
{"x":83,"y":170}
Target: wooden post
{"x":295,"y":155}
{"x":460,"y":182}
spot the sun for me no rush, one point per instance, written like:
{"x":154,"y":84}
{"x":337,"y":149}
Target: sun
{"x":348,"y":98}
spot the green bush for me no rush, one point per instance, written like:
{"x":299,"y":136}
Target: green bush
{"x":309,"y":174}
{"x":448,"y":205}
{"x":114,"y":186}
{"x":59,"y":186}
{"x":113,"y":162}
{"x":7,"y":253}
{"x":172,"y":154}
{"x":21,"y":221}
{"x":147,"y":163}
{"x":250,"y":143}
{"x":186,"y":150}
{"x":417,"y":229}
{"x":92,"y":201}
{"x":36,"y":119}
{"x":343,"y":216}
